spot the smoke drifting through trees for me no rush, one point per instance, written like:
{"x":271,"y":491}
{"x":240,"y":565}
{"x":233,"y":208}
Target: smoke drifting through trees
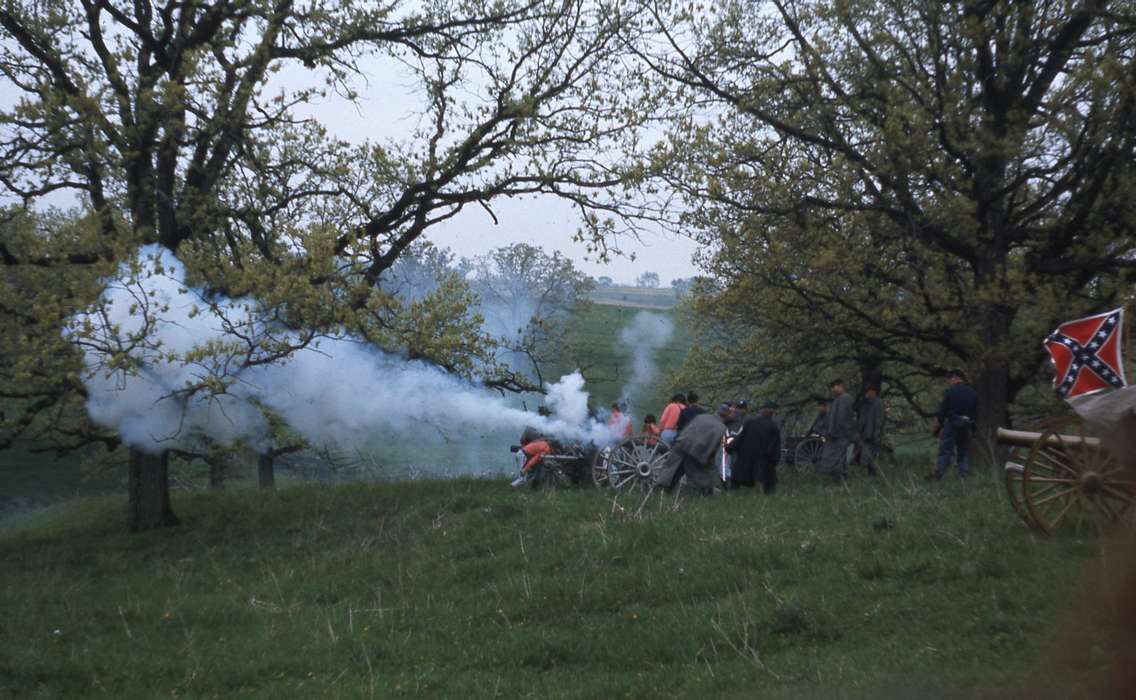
{"x":168,"y":369}
{"x":640,"y":340}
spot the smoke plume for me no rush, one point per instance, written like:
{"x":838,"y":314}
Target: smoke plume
{"x":640,"y":340}
{"x":167,"y":366}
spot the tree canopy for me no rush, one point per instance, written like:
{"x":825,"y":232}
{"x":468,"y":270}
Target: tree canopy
{"x":526,"y":297}
{"x":901,"y":187}
{"x":168,"y":124}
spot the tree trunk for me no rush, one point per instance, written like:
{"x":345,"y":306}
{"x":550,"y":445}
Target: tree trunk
{"x":993,"y":411}
{"x":149,"y":492}
{"x":870,"y":374}
{"x":266,"y":470}
{"x":992,"y":384}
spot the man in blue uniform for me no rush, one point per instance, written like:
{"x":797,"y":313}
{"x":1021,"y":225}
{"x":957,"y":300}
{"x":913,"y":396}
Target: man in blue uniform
{"x":957,"y":413}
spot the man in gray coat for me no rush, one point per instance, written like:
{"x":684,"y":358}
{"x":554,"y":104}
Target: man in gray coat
{"x":870,"y":429}
{"x":838,"y":433}
{"x":693,"y":453}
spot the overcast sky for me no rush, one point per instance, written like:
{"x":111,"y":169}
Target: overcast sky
{"x":389,"y":107}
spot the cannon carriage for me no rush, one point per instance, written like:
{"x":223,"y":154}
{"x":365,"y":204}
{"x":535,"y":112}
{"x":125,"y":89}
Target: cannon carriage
{"x":567,"y":465}
{"x":1065,"y":473}
{"x":1079,"y":468}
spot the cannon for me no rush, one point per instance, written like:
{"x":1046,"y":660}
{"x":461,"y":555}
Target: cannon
{"x":566,"y":465}
{"x":1062,"y":474}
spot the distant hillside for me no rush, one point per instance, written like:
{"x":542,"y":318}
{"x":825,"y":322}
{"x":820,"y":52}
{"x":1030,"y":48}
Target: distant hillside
{"x":635,"y":297}
{"x":594,"y":347}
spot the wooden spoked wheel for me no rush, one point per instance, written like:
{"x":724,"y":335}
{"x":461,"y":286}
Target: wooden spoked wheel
{"x":807,"y":453}
{"x":1014,"y":471}
{"x":1070,"y":476}
{"x":630,"y":464}
{"x":551,"y":474}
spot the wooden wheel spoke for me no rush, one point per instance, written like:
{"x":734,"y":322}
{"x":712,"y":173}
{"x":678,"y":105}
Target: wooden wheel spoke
{"x":1052,"y":480}
{"x":1116,"y":469}
{"x":1050,"y":460}
{"x":1119,"y":494}
{"x":1117,"y":506}
{"x":1105,"y":507}
{"x":1041,"y":491}
{"x":1061,"y":515}
{"x":1050,"y":497}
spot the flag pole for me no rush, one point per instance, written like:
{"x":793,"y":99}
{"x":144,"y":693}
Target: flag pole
{"x":1127,"y":343}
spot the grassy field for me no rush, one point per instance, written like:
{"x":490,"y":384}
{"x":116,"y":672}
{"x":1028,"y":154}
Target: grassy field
{"x":643,"y":297}
{"x":593,"y":348}
{"x":32,"y":479}
{"x":464,"y":588}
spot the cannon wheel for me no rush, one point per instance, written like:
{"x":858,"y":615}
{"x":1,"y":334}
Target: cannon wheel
{"x":1015,"y":469}
{"x":807,"y":454}
{"x":630,"y":464}
{"x":1065,"y":479}
{"x":551,"y":474}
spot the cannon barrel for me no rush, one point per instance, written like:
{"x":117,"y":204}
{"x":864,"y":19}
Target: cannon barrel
{"x":1026,"y":438}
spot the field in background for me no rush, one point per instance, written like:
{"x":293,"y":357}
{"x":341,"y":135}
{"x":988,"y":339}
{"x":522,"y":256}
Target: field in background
{"x":33,"y":480}
{"x":594,"y":349}
{"x":891,"y":589}
{"x":635,"y":297}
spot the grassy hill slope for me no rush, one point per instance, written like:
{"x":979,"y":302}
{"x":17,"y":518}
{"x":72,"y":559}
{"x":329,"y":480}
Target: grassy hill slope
{"x":594,"y":348}
{"x":635,"y":297}
{"x":463,"y":588}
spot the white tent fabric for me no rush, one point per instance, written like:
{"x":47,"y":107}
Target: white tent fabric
{"x":1112,"y":416}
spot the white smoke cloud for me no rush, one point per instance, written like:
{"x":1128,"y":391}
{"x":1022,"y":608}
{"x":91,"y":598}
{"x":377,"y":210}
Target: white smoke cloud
{"x":338,"y":391}
{"x":640,"y":340}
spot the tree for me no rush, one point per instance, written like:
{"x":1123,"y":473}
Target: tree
{"x":604,"y":281}
{"x":682,"y":285}
{"x":526,"y":298}
{"x":923,"y":184}
{"x":648,"y":280}
{"x":161,"y":119}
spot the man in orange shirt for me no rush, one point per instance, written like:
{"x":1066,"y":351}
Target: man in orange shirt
{"x":533,"y":450}
{"x":668,"y":423}
{"x":619,"y":423}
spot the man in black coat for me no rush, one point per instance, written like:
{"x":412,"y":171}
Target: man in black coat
{"x":758,"y":450}
{"x":692,"y":409}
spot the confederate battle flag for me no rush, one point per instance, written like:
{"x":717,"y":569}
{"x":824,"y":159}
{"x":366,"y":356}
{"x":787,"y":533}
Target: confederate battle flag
{"x":1087,"y":354}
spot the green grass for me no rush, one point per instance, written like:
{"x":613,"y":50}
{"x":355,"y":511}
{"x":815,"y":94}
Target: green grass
{"x":464,"y":588}
{"x":34,"y":479}
{"x":662,"y":297}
